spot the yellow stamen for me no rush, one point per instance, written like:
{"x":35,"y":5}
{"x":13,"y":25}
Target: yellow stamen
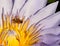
{"x":24,"y":36}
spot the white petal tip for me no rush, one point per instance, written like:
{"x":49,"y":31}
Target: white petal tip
{"x":56,"y":3}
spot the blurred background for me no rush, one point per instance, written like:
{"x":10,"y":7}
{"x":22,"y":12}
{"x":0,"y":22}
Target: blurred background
{"x":50,"y":1}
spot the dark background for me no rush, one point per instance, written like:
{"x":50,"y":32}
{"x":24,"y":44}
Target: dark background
{"x":58,"y":8}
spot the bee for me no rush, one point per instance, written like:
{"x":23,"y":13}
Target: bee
{"x":16,"y":19}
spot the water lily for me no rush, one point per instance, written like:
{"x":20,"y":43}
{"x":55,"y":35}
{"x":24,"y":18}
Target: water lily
{"x":29,"y":23}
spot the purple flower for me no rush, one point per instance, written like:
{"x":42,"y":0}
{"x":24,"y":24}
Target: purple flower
{"x":38,"y":14}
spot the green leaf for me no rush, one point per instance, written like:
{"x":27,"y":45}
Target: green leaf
{"x":50,"y":1}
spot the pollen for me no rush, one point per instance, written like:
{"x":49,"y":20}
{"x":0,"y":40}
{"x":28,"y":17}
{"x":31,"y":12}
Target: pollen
{"x":21,"y":36}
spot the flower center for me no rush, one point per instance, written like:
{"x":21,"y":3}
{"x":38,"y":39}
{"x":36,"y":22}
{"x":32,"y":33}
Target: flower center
{"x":24,"y":36}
